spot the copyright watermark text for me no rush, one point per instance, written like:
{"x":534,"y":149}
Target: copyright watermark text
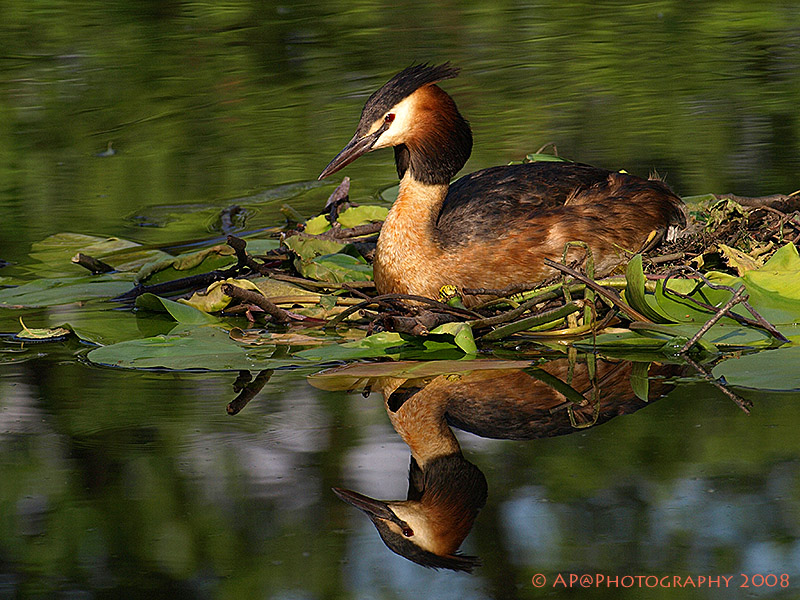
{"x":600,"y":580}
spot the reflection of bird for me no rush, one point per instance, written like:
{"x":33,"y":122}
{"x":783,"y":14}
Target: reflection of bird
{"x":494,"y":227}
{"x":428,"y":527}
{"x":445,"y":491}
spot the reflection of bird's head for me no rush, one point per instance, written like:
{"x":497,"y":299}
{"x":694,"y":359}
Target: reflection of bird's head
{"x":430,"y":525}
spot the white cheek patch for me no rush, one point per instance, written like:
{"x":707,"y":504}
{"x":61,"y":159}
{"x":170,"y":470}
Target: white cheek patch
{"x":401,"y":125}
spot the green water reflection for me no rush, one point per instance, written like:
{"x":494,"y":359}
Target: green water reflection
{"x":116,"y":484}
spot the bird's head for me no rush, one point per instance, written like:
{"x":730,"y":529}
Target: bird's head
{"x":418,"y":119}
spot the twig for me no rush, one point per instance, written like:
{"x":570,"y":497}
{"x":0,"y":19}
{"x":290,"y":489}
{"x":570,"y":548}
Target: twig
{"x":758,"y":201}
{"x":95,"y":265}
{"x":174,"y":286}
{"x":227,"y":216}
{"x":421,"y":324}
{"x":756,"y":321}
{"x":613,"y":297}
{"x":251,"y":297}
{"x":666,"y":258}
{"x":387,"y":298}
{"x":501,"y":293}
{"x":249,"y":390}
{"x":513,"y":314}
{"x":739,"y":296}
{"x":745,"y":405}
{"x":321,"y":284}
{"x":339,"y":196}
{"x":533,"y":321}
{"x":337,"y":233}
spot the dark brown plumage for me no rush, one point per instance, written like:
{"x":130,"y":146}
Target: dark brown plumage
{"x":494,"y":227}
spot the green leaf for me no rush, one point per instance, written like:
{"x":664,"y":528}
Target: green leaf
{"x":361,"y":215}
{"x":52,"y":292}
{"x":335,"y":268}
{"x":206,"y":348}
{"x":212,"y":299}
{"x":317,"y":225}
{"x":461,"y":333}
{"x":635,"y":293}
{"x":309,"y":248}
{"x":768,"y":370}
{"x":774,"y":289}
{"x":182,"y":313}
{"x":372,"y":346}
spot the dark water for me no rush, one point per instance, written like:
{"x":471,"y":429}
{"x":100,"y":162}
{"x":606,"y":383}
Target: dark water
{"x":129,"y":484}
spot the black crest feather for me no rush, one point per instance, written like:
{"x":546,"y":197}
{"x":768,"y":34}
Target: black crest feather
{"x":402,"y":85}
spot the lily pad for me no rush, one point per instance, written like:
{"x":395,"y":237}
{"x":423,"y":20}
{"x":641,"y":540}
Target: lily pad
{"x":768,"y":370}
{"x":52,"y":292}
{"x":337,"y":268}
{"x":182,"y":313}
{"x":361,"y":215}
{"x":209,"y":348}
{"x":183,"y":265}
{"x":372,"y":346}
{"x":774,"y":288}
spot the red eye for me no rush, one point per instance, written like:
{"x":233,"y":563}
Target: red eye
{"x":408,"y":532}
{"x":388,"y":118}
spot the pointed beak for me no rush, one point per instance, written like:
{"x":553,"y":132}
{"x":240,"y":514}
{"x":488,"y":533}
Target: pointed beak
{"x":373,"y":508}
{"x":356,"y":147}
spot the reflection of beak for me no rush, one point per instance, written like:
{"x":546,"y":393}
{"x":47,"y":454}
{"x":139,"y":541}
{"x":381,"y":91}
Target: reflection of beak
{"x":373,"y":508}
{"x":354,"y":148}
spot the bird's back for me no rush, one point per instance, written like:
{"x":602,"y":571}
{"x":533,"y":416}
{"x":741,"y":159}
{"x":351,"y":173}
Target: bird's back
{"x":497,"y":201}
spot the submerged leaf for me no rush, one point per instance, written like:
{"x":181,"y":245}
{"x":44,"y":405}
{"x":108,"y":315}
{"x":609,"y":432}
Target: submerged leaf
{"x":41,"y":334}
{"x":372,"y":346}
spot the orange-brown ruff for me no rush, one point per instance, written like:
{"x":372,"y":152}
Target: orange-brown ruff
{"x":492,"y":228}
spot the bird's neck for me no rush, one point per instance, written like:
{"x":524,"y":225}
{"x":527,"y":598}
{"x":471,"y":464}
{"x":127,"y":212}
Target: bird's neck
{"x":420,"y":421}
{"x":407,"y":243}
{"x":440,"y":142}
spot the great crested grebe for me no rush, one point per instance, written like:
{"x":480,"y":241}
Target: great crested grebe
{"x":492,"y":228}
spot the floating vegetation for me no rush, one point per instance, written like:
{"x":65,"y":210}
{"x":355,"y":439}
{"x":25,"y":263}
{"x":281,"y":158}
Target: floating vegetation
{"x":726,"y":288}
